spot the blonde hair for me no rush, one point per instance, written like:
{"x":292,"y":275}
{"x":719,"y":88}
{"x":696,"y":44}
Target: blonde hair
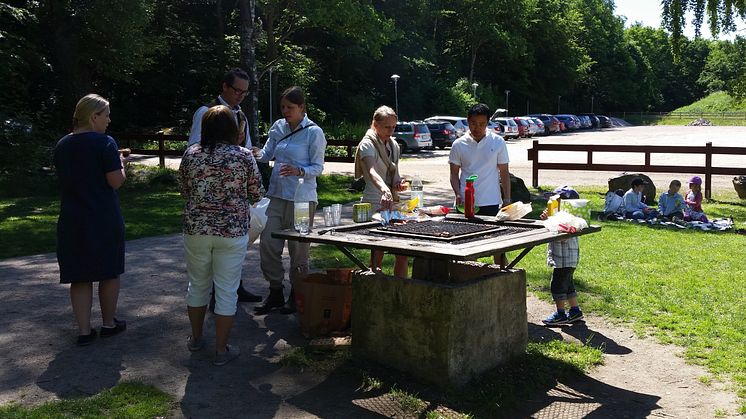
{"x":86,"y":107}
{"x":382,"y":113}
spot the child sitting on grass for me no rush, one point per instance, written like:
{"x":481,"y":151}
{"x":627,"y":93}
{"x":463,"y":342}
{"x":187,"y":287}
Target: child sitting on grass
{"x":694,"y":212}
{"x":563,"y":257}
{"x":670,"y":203}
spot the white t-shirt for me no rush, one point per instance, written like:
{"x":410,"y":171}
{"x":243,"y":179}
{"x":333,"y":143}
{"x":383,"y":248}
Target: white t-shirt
{"x":481,"y":159}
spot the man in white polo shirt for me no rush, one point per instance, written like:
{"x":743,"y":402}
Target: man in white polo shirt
{"x":481,"y":153}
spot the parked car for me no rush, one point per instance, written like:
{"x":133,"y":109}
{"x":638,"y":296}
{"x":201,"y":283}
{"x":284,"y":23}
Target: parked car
{"x":585,"y":122}
{"x":523,"y":128}
{"x":569,"y":121}
{"x":593,"y":118}
{"x":510,"y":128}
{"x":412,"y":136}
{"x":533,"y":128}
{"x":495,"y":127}
{"x":442,"y":133}
{"x":604,"y":121}
{"x":551,"y":124}
{"x":539,"y":126}
{"x":458,"y":122}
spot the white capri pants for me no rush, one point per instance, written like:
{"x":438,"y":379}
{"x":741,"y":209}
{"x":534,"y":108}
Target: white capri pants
{"x":214,"y":260}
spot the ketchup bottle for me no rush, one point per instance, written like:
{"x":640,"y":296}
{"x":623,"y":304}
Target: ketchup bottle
{"x":469,"y":197}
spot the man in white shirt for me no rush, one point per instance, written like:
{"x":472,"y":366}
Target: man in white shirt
{"x":235,"y":87}
{"x":481,"y":153}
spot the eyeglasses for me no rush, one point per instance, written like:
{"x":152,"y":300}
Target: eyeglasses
{"x":239,"y":91}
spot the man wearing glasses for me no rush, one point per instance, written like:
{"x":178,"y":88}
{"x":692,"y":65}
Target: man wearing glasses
{"x":235,"y":87}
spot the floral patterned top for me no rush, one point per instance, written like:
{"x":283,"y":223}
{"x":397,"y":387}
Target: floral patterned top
{"x":219,"y":187}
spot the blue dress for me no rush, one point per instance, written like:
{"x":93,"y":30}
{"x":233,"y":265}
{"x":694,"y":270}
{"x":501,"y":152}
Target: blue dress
{"x":90,"y":228}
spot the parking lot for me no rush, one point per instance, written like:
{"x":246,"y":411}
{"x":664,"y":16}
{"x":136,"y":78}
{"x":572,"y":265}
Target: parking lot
{"x":432,"y":165}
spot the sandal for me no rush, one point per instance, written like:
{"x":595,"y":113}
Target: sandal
{"x":195,"y":345}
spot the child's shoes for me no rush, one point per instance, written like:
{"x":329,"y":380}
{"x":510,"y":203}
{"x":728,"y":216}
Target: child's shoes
{"x":558,"y":318}
{"x":574,"y":315}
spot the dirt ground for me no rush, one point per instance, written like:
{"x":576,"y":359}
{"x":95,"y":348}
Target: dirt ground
{"x":640,"y":378}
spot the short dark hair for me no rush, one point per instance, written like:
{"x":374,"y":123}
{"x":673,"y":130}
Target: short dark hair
{"x":231,"y":75}
{"x":675,"y":182}
{"x":294,"y":95}
{"x":637,"y":182}
{"x":479,"y":109}
{"x":218,"y":126}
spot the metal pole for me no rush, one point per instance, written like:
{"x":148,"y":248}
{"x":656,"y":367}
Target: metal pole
{"x":558,"y":104}
{"x":591,"y":104}
{"x":507,"y":98}
{"x":527,"y":112}
{"x":396,"y":96}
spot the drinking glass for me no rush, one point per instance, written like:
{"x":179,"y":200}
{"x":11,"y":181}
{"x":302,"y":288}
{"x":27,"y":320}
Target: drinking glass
{"x":328,"y":217}
{"x":337,"y":214}
{"x":303,"y":225}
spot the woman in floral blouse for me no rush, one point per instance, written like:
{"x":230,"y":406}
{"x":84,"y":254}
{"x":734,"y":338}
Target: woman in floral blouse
{"x":219,"y":180}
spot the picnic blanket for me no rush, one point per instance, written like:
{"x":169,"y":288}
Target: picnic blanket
{"x":718,"y":224}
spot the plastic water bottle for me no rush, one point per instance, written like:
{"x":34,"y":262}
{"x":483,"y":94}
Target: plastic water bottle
{"x":301,"y":208}
{"x":417,"y":191}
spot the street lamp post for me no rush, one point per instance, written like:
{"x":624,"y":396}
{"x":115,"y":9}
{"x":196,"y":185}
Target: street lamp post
{"x":591,"y":103}
{"x":395,"y":78}
{"x":507,"y":97}
{"x":558,"y":103}
{"x":474,"y":89}
{"x":527,"y":108}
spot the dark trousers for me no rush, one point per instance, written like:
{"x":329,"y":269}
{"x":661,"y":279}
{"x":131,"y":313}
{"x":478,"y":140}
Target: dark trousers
{"x":562,"y":285}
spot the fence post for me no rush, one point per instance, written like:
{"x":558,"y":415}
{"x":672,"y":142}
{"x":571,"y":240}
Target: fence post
{"x":708,"y":170}
{"x":535,"y":165}
{"x":161,"y":152}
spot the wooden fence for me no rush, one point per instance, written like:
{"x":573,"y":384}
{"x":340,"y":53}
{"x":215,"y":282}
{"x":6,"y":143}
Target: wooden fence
{"x":136,"y":142}
{"x":708,"y":169}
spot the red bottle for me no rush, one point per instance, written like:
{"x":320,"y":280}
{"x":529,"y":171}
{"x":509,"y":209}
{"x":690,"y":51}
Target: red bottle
{"x":469,"y":197}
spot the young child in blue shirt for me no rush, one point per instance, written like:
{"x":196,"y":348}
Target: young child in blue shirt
{"x":671,"y":204}
{"x":563,"y":257}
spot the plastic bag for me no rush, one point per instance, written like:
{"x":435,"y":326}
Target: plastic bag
{"x":258,"y":219}
{"x":564,"y":222}
{"x":513,"y":211}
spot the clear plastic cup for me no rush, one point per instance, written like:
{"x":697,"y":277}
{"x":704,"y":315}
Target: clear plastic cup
{"x":328,"y":217}
{"x":336,"y":214}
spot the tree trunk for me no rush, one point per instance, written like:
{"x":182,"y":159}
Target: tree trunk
{"x":249,"y":35}
{"x":220,"y":28}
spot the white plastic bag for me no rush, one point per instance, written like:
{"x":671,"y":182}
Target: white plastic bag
{"x":513,"y":211}
{"x":564,"y":221}
{"x":258,"y":219}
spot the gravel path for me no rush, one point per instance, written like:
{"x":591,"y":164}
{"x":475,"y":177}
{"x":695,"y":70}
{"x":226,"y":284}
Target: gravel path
{"x":640,"y":378}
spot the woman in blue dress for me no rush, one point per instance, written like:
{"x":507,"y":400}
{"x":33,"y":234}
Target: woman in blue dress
{"x":90,"y":228}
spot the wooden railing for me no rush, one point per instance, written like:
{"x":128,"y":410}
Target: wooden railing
{"x":707,"y":170}
{"x":134,"y":142}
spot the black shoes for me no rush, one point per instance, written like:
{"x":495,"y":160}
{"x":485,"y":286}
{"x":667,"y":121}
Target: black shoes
{"x":247,"y":297}
{"x":85,"y":340}
{"x":289,"y":307}
{"x":119,"y":327}
{"x":275,"y":299}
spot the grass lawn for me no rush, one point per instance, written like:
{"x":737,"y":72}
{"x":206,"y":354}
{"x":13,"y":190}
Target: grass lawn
{"x":125,"y":400}
{"x":150,"y":205}
{"x":684,"y":287}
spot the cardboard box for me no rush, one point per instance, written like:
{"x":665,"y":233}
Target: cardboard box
{"x":324,"y":303}
{"x":577,"y":207}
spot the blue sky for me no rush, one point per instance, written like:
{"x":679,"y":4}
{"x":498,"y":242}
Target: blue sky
{"x":649,"y":13}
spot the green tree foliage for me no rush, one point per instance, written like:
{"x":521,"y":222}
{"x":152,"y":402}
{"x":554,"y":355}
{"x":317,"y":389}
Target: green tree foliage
{"x":721,"y":16}
{"x":159,"y":60}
